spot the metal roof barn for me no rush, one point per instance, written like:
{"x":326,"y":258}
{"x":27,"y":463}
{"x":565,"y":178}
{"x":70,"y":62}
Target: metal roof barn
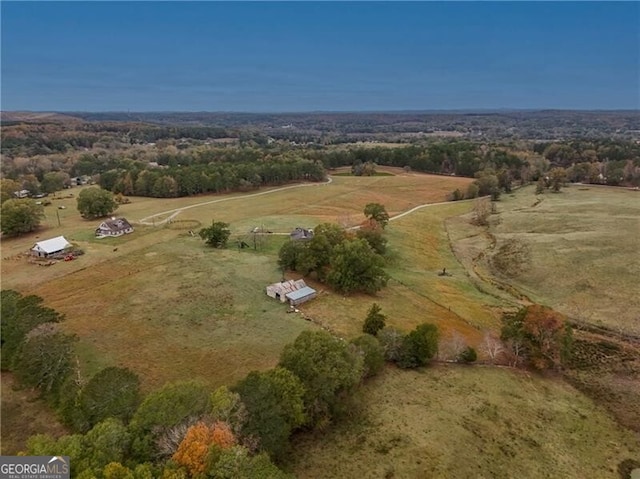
{"x":50,"y":246}
{"x":301,"y":295}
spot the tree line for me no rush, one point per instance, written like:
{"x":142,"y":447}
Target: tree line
{"x":212,"y":178}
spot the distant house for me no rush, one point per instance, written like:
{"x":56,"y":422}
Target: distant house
{"x":80,"y":180}
{"x":294,"y":291}
{"x":22,"y":194}
{"x":114,"y":227}
{"x":301,"y":234}
{"x":44,"y":249}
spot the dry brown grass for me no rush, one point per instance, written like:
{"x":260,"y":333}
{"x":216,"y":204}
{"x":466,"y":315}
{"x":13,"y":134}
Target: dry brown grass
{"x":465,"y":421}
{"x":169,"y":308}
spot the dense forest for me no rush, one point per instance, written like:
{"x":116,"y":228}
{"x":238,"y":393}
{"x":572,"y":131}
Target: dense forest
{"x":210,"y":153}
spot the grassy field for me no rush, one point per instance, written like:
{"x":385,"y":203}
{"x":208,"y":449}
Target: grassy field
{"x":415,"y":292}
{"x":584,"y":247}
{"x":581,"y":257}
{"x":457,"y":421}
{"x":161,"y":303}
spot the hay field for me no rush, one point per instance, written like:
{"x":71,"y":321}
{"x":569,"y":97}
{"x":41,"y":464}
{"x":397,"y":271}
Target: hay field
{"x":584,"y":245}
{"x":458,"y":421}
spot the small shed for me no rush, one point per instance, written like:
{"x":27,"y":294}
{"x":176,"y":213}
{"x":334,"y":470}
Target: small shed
{"x":114,"y":227}
{"x":44,"y":249}
{"x":301,"y":295}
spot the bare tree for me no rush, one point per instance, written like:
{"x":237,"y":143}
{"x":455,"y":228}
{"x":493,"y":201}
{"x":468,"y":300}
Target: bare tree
{"x":516,"y":351}
{"x":481,"y":212}
{"x":492,"y":346}
{"x":453,"y":347}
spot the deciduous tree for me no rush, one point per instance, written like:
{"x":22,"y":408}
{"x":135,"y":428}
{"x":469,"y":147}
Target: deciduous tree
{"x":8,"y":188}
{"x":163,"y":409}
{"x":557,"y":178}
{"x":373,"y":354}
{"x":356,"y":267}
{"x":20,"y":314}
{"x":111,"y":393}
{"x":391,"y":340}
{"x":373,"y":234}
{"x":216,"y":235}
{"x":194,"y":448}
{"x":377,"y":213}
{"x":540,"y":334}
{"x":19,"y":216}
{"x":44,"y":359}
{"x":95,"y":202}
{"x":328,"y":368}
{"x":275,"y":407}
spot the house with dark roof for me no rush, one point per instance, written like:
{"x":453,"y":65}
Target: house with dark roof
{"x":114,"y":227}
{"x":301,"y":234}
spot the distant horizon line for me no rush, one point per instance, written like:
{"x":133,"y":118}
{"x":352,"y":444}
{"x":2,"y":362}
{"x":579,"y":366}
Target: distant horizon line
{"x":289,"y":112}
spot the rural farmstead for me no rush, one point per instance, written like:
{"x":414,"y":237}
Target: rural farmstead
{"x":114,"y":227}
{"x":44,"y":249}
{"x":294,"y":291}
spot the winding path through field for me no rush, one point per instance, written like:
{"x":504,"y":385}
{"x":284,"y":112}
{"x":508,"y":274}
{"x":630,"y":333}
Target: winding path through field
{"x":149,"y":220}
{"x":175,"y":212}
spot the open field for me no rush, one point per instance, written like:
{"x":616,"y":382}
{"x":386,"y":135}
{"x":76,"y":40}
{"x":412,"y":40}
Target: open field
{"x":459,"y":421}
{"x":416,"y":293}
{"x":161,"y":303}
{"x":167,"y":307}
{"x":579,"y":252}
{"x":584,"y":247}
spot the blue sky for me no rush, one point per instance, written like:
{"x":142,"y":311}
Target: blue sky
{"x":310,"y":56}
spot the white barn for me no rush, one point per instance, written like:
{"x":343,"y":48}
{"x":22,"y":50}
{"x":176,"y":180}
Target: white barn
{"x":44,"y":249}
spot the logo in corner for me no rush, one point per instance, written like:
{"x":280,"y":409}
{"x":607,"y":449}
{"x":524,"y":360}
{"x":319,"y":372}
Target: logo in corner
{"x":34,"y":467}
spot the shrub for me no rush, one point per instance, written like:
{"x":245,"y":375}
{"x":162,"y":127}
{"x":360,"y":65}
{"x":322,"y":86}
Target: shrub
{"x":419,"y":346}
{"x":468,"y":355}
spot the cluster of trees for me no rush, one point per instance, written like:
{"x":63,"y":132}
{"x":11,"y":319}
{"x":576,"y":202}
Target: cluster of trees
{"x":30,"y":139}
{"x":461,"y":158}
{"x":184,"y":430}
{"x":211,"y":178}
{"x":537,"y":336}
{"x":19,"y":216}
{"x":411,"y":350}
{"x":31,"y":344}
{"x":347,"y":261}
